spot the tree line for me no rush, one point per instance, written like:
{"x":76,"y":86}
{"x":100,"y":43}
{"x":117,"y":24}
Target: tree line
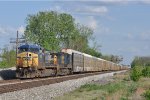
{"x":141,"y":61}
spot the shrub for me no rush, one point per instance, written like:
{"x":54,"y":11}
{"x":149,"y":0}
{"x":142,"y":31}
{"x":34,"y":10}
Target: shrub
{"x":136,"y":73}
{"x":146,"y":71}
{"x":147,"y":95}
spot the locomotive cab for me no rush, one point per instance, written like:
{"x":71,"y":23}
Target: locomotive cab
{"x":27,"y":60}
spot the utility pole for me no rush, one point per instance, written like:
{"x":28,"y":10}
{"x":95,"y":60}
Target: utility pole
{"x":17,"y":41}
{"x":17,"y":45}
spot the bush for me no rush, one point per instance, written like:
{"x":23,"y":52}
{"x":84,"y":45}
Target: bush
{"x":146,"y":71}
{"x":136,"y":73}
{"x":147,"y":95}
{"x":132,"y":88}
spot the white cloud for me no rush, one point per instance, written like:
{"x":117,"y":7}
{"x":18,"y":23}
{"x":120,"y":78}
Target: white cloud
{"x":92,"y":23}
{"x":125,"y":1}
{"x":130,"y":36}
{"x":140,"y":36}
{"x":21,"y":30}
{"x":115,"y":1}
{"x":144,"y":1}
{"x":6,"y":31}
{"x":89,"y":21}
{"x":103,"y":29}
{"x":92,"y":9}
{"x":145,"y":35}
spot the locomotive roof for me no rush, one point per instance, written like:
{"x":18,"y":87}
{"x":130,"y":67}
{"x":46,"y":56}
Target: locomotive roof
{"x":29,"y":46}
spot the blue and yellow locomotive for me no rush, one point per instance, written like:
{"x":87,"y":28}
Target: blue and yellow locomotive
{"x":32,"y":61}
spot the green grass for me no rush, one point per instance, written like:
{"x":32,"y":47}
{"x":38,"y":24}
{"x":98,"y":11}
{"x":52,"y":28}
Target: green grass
{"x":147,"y":95}
{"x":109,"y":88}
{"x":5,"y":64}
{"x":122,"y":88}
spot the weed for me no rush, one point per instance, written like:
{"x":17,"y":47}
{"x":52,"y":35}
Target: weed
{"x":102,"y":98}
{"x":123,"y":98}
{"x":132,"y":88}
{"x":147,"y":95}
{"x":113,"y":87}
{"x":126,"y":79}
{"x":90,"y":87}
{"x":95,"y":98}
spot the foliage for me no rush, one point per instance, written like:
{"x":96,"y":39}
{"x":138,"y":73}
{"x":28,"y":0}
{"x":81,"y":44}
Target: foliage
{"x":113,"y":87}
{"x":113,"y":58}
{"x":147,"y":95}
{"x":136,"y":73}
{"x":140,"y":61}
{"x":8,"y":58}
{"x":90,"y":87}
{"x":146,"y":71}
{"x":110,"y":88}
{"x":93,"y":52}
{"x":53,"y":31}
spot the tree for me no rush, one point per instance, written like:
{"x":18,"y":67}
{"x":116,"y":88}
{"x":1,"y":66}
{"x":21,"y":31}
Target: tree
{"x":53,"y":31}
{"x":93,"y":52}
{"x":140,"y":61}
{"x":49,"y":29}
{"x":8,"y":57}
{"x":80,"y":38}
{"x":113,"y":58}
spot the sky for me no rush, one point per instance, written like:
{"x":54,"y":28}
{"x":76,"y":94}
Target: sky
{"x":121,"y":27}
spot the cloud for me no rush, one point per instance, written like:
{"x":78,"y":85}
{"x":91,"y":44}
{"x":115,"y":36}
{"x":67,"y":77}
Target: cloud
{"x":89,"y":21}
{"x":21,"y":30}
{"x":145,"y":35}
{"x":102,"y":29}
{"x":115,"y":1}
{"x":143,"y":1}
{"x":92,"y":9}
{"x":129,"y":36}
{"x":58,"y":8}
{"x":125,"y":1}
{"x":8,"y":32}
{"x":92,"y":23}
{"x":130,"y":49}
{"x":139,"y":36}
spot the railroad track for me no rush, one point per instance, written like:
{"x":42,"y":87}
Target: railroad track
{"x":16,"y":84}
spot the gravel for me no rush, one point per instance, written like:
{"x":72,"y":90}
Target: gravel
{"x":49,"y":92}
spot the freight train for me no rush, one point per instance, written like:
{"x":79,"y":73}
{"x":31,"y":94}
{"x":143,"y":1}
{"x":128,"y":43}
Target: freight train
{"x":32,"y":61}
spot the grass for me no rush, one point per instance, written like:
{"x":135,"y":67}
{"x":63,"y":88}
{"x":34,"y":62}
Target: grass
{"x":122,"y":88}
{"x":147,"y":95}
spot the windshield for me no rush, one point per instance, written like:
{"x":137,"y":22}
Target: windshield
{"x":34,"y":50}
{"x":23,"y":50}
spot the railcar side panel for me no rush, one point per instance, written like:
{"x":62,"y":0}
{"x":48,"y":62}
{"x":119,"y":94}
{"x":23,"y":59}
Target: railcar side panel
{"x":78,"y":64}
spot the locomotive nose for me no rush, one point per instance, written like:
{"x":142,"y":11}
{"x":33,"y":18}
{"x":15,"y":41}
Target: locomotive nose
{"x":24,"y":60}
{"x":27,"y":61}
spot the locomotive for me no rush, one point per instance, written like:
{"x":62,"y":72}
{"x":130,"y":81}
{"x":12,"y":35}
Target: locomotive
{"x":32,"y":61}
